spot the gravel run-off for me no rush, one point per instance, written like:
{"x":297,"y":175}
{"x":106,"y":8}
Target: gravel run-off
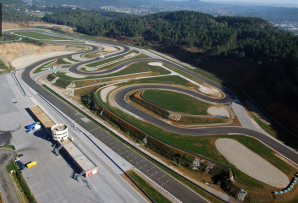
{"x":214,"y":111}
{"x":23,"y":62}
{"x":251,"y":163}
{"x":105,"y":92}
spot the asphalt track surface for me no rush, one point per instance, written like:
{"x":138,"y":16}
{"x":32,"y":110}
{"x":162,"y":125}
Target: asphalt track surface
{"x":170,"y":184}
{"x":120,"y":100}
{"x":229,"y":96}
{"x":176,"y":188}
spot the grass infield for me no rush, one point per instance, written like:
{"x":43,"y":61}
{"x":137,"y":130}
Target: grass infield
{"x":39,"y":36}
{"x":176,"y":101}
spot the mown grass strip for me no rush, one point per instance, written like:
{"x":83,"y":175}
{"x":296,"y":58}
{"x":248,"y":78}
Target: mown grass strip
{"x":152,"y":192}
{"x":40,"y":36}
{"x":8,"y":146}
{"x":19,"y":179}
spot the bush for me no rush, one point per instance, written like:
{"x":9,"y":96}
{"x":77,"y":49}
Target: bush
{"x":51,"y":77}
{"x":32,"y":41}
{"x":62,"y":83}
{"x":230,"y":188}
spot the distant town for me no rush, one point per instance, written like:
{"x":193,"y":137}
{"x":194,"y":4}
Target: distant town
{"x":216,"y":10}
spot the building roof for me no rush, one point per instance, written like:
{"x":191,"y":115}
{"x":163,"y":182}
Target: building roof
{"x":42,"y":116}
{"x":79,"y":156}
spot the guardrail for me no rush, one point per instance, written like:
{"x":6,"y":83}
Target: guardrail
{"x":18,"y":83}
{"x":289,"y":188}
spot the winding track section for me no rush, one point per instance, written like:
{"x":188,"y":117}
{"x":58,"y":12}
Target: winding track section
{"x":176,"y":188}
{"x":229,"y":97}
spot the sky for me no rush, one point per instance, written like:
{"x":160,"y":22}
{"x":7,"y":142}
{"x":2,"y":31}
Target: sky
{"x":258,"y":2}
{"x":254,"y":2}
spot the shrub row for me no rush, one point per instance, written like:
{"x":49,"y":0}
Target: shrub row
{"x":190,"y":119}
{"x":90,"y":101}
{"x":156,"y":109}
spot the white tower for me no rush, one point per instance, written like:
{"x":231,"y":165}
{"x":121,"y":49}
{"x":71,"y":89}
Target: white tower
{"x":59,"y":132}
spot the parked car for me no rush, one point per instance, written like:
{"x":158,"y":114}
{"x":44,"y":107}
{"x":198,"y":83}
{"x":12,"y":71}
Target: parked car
{"x":21,"y":167}
{"x":16,"y":160}
{"x":20,"y":155}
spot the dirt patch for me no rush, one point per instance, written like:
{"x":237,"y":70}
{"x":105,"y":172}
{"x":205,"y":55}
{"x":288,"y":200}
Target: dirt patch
{"x":251,"y":163}
{"x":214,"y":111}
{"x":70,"y":74}
{"x":11,"y":51}
{"x":10,"y":25}
{"x":54,"y":26}
{"x":109,"y":49}
{"x":22,"y":62}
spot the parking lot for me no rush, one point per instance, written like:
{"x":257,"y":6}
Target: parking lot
{"x":51,"y":180}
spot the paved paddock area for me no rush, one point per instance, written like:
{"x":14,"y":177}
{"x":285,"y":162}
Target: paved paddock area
{"x":51,"y":180}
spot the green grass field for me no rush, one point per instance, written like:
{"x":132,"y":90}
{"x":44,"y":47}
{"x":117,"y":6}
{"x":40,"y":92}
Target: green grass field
{"x":39,"y":36}
{"x":173,"y":100}
{"x":152,"y":192}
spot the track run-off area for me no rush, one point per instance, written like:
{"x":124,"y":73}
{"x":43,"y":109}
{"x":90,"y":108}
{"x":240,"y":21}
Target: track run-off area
{"x":176,"y":188}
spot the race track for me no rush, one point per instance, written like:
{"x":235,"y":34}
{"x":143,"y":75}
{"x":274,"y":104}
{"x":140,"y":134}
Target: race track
{"x":176,"y":188}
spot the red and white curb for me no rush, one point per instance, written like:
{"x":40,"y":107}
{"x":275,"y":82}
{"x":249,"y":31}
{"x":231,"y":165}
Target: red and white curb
{"x":269,"y":146}
{"x":158,"y":186}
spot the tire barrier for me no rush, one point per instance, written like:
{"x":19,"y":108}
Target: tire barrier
{"x":289,"y":188}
